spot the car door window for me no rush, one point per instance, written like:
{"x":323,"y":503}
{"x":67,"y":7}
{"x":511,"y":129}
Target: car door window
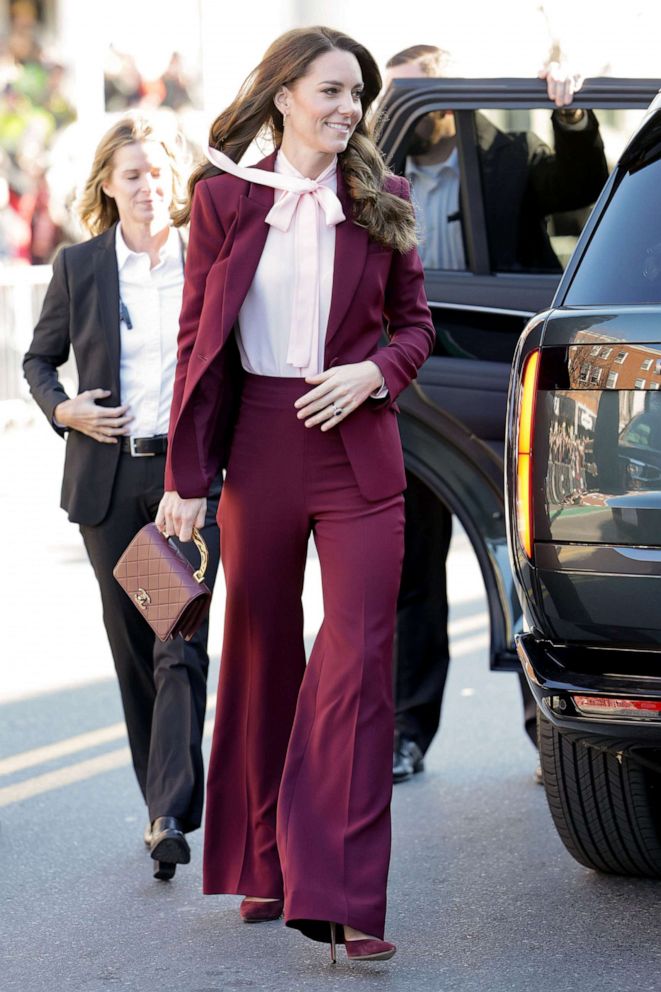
{"x":541,"y":176}
{"x":538,"y":178}
{"x":632,"y":274}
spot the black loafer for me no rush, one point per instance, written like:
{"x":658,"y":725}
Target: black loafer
{"x":407,"y":760}
{"x":168,"y":842}
{"x":164,"y":870}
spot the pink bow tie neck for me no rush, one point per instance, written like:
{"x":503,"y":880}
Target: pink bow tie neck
{"x":304,"y":202}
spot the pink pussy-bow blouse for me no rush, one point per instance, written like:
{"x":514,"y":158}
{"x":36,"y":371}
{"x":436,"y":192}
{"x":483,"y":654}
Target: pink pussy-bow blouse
{"x":284,"y":317}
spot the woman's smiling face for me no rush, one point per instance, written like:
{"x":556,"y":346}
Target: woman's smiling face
{"x":323,"y":108}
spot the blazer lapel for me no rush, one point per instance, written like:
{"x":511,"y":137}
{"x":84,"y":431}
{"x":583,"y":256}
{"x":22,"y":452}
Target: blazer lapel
{"x":350,"y":257}
{"x":251,"y":233}
{"x":107,"y":287}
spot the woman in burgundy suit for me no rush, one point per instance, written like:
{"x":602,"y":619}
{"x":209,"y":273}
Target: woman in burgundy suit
{"x":292,"y":268}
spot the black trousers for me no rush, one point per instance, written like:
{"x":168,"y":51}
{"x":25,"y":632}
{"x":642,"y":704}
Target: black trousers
{"x":422,"y":653}
{"x":163,"y":686}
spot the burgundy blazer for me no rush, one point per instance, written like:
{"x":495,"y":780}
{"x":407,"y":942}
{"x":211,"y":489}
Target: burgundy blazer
{"x":370,"y":282}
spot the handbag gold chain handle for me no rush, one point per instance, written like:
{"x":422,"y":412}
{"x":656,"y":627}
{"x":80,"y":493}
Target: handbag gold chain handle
{"x":201,"y":546}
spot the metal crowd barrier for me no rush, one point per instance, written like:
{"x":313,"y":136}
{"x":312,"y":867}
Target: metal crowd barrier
{"x":22,"y":291}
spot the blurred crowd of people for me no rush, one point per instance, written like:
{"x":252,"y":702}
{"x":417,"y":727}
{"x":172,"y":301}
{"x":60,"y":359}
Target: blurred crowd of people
{"x":33,"y":108}
{"x":126,"y":87}
{"x":36,"y":186}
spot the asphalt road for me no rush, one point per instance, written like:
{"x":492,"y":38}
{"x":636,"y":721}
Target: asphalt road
{"x":482,"y":896}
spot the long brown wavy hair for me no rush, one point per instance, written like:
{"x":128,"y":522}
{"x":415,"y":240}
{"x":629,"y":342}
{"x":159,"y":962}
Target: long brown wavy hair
{"x":387,"y":218}
{"x":96,"y":209}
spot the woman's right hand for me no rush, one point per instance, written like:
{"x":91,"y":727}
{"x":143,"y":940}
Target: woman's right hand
{"x":82,"y":413}
{"x":176,"y":517}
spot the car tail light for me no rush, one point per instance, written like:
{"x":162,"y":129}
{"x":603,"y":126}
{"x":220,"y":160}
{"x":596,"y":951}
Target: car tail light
{"x":634,"y":709}
{"x":524,"y":452}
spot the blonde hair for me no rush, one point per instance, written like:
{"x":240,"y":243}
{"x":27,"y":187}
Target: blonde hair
{"x":387,"y":218}
{"x":96,"y":209}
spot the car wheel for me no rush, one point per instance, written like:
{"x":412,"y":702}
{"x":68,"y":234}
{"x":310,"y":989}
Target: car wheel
{"x":606,"y":806}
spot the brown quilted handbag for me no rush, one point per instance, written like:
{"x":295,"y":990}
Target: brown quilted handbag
{"x":161,"y":583}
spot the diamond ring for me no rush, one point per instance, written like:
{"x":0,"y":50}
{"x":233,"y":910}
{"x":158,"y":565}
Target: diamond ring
{"x":337,"y":410}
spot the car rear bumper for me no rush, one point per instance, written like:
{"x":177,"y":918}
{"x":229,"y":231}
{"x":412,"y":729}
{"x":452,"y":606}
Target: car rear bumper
{"x":558,"y":674}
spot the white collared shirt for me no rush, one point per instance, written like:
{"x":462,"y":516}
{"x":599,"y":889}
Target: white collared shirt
{"x":148,"y":350}
{"x":266,"y":313}
{"x":435,"y":192}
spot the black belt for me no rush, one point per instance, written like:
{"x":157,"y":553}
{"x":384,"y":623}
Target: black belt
{"x":145,"y":447}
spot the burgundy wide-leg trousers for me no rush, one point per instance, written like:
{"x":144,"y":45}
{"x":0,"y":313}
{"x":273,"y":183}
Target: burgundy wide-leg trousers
{"x":300,"y":777}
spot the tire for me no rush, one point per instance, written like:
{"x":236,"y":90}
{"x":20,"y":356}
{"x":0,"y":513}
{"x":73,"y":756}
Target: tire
{"x":605,"y":806}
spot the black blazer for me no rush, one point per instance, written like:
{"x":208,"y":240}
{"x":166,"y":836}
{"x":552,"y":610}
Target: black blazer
{"x":524,"y":181}
{"x":81,"y":311}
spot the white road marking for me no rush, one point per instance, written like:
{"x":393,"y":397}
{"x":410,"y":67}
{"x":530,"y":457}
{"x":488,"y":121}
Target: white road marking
{"x":70,"y":774}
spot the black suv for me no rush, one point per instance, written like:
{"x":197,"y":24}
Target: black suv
{"x":584,"y":510}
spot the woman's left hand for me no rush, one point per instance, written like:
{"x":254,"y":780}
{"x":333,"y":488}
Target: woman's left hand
{"x":337,"y":393}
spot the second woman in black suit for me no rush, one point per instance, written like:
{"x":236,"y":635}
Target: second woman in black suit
{"x":115,"y":300}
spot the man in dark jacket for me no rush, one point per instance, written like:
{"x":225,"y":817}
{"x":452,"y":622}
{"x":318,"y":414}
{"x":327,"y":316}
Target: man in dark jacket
{"x":524,"y":181}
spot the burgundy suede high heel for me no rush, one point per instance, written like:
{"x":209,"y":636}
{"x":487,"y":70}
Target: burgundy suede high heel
{"x":368,"y":949}
{"x":260,"y":912}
